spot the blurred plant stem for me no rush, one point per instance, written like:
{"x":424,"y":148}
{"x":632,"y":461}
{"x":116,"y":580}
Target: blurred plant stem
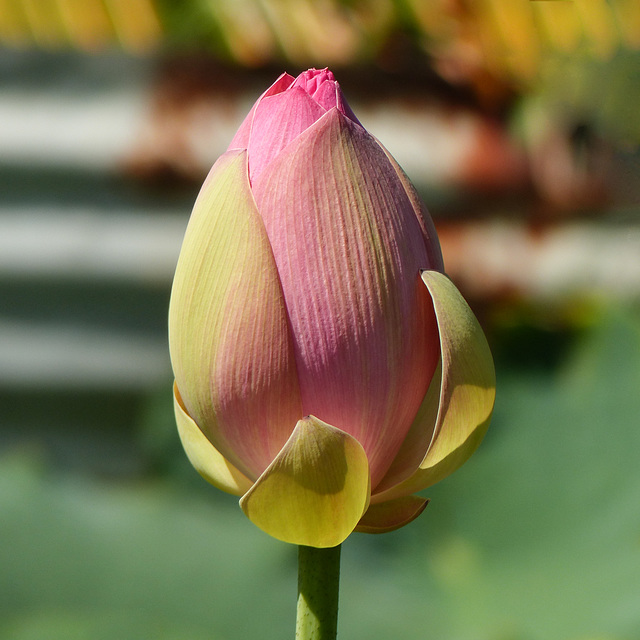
{"x":318,"y":584}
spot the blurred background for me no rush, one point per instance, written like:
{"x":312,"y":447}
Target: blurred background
{"x":519,"y":123}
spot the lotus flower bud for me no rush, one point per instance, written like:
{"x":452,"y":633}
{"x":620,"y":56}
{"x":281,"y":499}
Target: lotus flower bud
{"x":326,"y":368}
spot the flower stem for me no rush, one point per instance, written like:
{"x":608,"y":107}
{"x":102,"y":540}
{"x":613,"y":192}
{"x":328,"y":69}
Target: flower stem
{"x":318,"y":584}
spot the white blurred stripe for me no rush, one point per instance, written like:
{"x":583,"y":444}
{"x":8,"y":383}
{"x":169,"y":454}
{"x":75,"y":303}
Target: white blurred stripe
{"x":89,"y":245}
{"x":91,"y":130}
{"x":487,"y":256}
{"x":571,"y":259}
{"x":66,"y":356}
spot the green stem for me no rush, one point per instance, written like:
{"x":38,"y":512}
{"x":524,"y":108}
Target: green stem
{"x":318,"y":584}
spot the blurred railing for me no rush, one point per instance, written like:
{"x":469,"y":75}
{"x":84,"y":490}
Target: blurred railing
{"x":532,"y":177}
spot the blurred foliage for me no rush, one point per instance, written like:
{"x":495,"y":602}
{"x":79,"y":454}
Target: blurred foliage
{"x":537,"y":537}
{"x":464,"y":37}
{"x":88,"y":25}
{"x":592,"y":96}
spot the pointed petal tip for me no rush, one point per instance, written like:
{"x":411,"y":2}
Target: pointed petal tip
{"x":469,"y":379}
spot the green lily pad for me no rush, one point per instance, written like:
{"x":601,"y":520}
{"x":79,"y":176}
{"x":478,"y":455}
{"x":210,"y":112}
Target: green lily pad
{"x":537,"y":537}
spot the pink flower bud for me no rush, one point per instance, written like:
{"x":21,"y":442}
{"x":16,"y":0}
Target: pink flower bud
{"x":325,"y":367}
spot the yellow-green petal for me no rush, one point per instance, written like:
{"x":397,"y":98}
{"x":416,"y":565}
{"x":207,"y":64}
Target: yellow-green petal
{"x":204,"y":457}
{"x":315,"y":491}
{"x":391,"y":515}
{"x":467,"y":389}
{"x":231,"y":349}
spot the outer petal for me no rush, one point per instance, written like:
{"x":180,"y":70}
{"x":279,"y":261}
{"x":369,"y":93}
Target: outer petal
{"x":422,"y":214}
{"x":316,"y":489}
{"x":231,"y":350}
{"x":349,"y":251}
{"x":467,"y":390}
{"x":391,"y":515}
{"x":205,"y":458}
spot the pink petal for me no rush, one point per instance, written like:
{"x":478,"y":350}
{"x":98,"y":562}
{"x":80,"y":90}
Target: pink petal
{"x":241,"y":139}
{"x":349,"y":249}
{"x":326,"y":95}
{"x":277,"y":121}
